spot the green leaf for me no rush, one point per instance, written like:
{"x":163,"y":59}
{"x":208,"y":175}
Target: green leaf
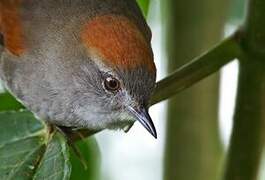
{"x":28,"y":151}
{"x":144,"y":5}
{"x":55,"y":164}
{"x":90,"y":152}
{"x":8,"y":102}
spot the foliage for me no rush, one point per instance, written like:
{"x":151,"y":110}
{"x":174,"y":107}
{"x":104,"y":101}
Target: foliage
{"x":28,"y":151}
{"x":144,"y":4}
{"x":8,"y":102}
{"x":90,"y":152}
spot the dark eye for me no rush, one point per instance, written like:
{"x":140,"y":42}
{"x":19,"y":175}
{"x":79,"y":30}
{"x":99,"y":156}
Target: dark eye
{"x":112,"y":84}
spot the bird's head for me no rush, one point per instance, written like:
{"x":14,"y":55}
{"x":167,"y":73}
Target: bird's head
{"x":123,"y":72}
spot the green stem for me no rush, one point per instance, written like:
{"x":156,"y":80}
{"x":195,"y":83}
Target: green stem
{"x":248,"y":133}
{"x":247,"y":140}
{"x":197,"y":69}
{"x":254,"y":39}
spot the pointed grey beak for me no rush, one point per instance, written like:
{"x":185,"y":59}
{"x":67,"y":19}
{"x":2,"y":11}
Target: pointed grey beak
{"x":142,"y":115}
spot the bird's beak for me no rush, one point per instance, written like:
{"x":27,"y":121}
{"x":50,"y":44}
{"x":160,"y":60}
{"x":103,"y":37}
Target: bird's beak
{"x":142,"y":115}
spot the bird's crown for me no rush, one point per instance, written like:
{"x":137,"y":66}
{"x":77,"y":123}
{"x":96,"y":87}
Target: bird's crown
{"x":118,"y":42}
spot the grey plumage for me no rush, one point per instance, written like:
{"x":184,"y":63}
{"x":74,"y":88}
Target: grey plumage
{"x":55,"y":77}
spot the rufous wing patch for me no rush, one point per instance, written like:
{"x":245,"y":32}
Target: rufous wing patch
{"x":10,"y":26}
{"x":118,"y":41}
{"x":0,"y":20}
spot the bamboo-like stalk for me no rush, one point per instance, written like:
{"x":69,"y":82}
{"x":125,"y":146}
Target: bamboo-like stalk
{"x":196,"y":70}
{"x":247,"y":140}
{"x":193,"y":150}
{"x":249,"y":123}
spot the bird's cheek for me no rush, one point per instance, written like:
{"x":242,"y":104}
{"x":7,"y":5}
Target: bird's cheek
{"x":120,"y":101}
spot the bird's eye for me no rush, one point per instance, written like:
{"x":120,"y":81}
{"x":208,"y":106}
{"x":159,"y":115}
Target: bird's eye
{"x":112,"y":84}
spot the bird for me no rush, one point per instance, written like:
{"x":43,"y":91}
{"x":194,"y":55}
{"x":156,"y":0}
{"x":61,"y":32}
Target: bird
{"x":79,"y":63}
